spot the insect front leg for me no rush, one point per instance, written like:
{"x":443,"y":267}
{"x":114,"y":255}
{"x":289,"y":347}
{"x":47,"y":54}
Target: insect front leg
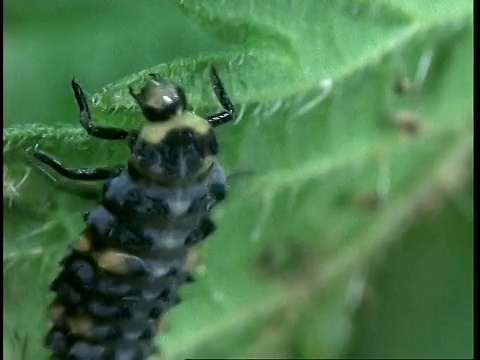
{"x":224,"y":116}
{"x":101,"y":132}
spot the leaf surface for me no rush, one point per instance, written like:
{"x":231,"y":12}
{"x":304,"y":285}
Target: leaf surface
{"x":338,"y":170}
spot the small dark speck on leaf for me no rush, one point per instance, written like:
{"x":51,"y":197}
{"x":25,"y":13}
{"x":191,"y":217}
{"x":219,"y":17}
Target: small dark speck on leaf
{"x":407,"y":122}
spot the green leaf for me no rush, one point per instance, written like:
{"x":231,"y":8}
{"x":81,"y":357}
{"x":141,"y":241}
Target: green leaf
{"x":342,"y":165}
{"x":421,"y":304}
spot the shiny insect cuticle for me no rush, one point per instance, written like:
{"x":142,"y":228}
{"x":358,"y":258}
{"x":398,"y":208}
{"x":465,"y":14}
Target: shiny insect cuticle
{"x":124,"y":271}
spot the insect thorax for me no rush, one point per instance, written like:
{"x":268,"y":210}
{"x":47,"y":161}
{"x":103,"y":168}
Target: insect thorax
{"x":183,"y":147}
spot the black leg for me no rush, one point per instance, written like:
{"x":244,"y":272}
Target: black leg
{"x":90,"y":191}
{"x":224,"y":116}
{"x":101,"y":173}
{"x":239,"y":175}
{"x":102,"y":132}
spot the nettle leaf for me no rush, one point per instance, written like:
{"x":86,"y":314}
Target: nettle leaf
{"x":354,"y":117}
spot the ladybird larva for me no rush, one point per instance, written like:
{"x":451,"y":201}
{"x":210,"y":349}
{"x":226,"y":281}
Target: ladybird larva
{"x":124,"y":272}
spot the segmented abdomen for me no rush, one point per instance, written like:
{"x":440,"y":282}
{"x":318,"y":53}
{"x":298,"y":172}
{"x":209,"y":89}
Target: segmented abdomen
{"x":125,"y":271}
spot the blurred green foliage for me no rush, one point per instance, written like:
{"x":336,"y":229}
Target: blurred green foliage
{"x":419,"y":301}
{"x":347,"y":159}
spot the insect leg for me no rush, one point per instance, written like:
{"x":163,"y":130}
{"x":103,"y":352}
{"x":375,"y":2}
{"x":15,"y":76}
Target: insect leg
{"x":90,"y":174}
{"x":235,"y":180}
{"x":239,"y":175}
{"x":102,"y":132}
{"x":224,"y":116}
{"x":91,"y":191}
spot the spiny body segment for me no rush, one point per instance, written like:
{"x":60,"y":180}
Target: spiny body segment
{"x":126,"y":268}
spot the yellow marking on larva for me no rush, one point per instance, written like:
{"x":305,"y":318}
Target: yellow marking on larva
{"x":56,"y":313}
{"x":115,"y":262}
{"x":81,"y":326}
{"x":83,"y":244}
{"x":159,"y":177}
{"x":163,"y":324}
{"x":155,"y":132}
{"x":207,"y":165}
{"x":194,"y":258}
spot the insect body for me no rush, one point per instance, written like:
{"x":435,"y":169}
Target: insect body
{"x":125,"y":270}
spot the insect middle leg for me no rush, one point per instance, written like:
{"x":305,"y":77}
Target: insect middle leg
{"x":89,"y":191}
{"x":99,"y":173}
{"x":226,"y":115}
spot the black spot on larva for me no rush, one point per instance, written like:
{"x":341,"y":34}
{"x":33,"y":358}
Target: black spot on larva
{"x":105,"y":333}
{"x":130,"y":351}
{"x":189,"y":278}
{"x":110,"y":286}
{"x":80,"y":270}
{"x":218,"y":192}
{"x":204,"y":228}
{"x":84,"y":350}
{"x":164,"y":294}
{"x":155,"y":313}
{"x":125,"y":197}
{"x":56,"y":340}
{"x":125,"y":270}
{"x":65,"y":291}
{"x":199,"y":204}
{"x":107,"y":310}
